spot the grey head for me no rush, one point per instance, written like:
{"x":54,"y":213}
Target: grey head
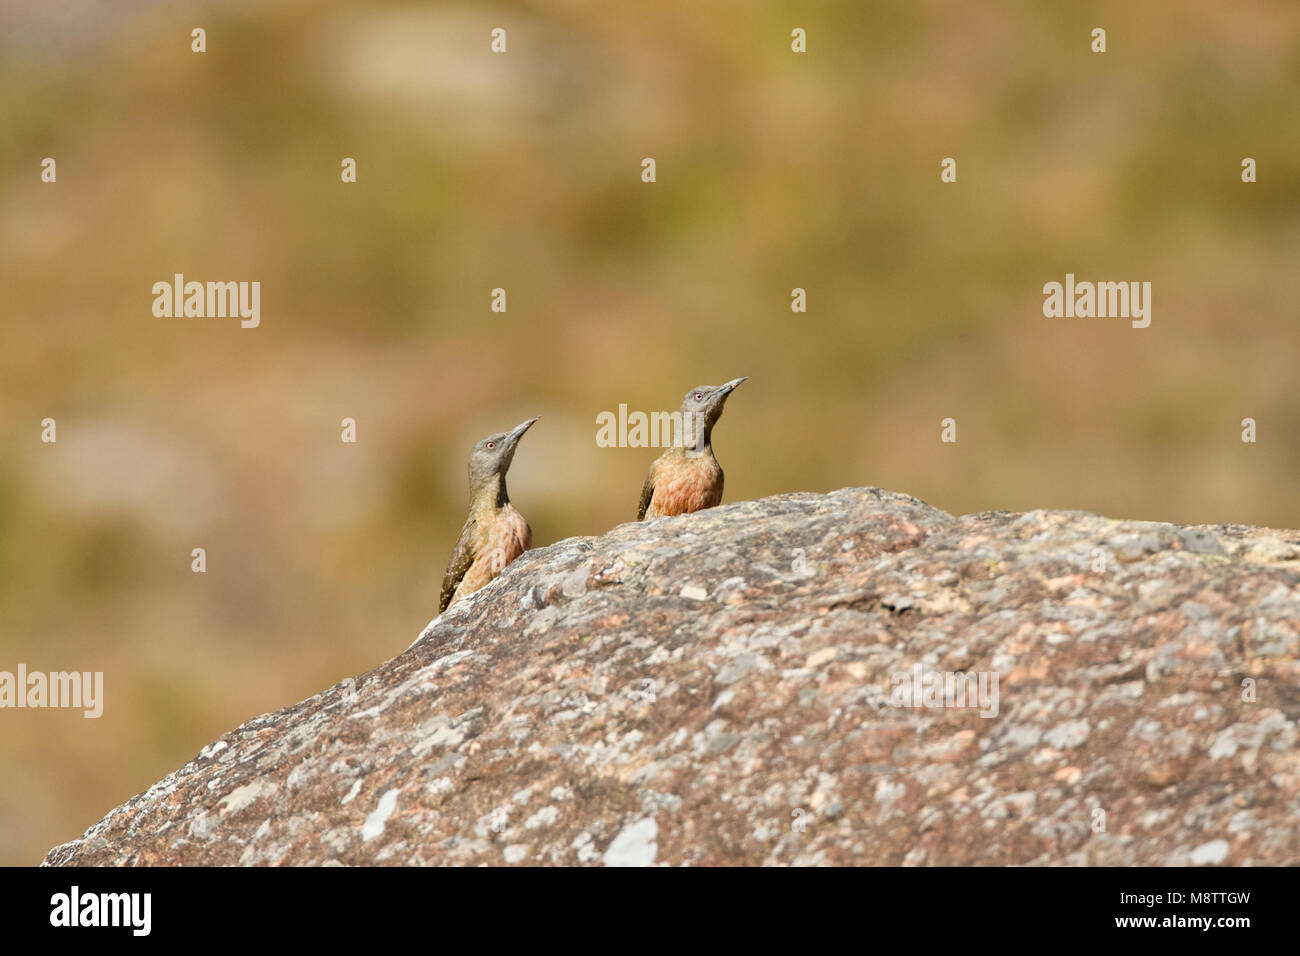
{"x":703,"y":405}
{"x":491,"y":458}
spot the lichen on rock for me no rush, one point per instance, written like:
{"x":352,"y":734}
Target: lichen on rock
{"x":723,"y":688}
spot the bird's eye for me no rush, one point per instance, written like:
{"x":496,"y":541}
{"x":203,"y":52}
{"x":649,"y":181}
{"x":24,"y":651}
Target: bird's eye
{"x":699,"y":396}
{"x":492,"y":445}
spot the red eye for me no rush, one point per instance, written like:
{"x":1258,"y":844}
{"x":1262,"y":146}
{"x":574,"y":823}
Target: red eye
{"x":492,"y":444}
{"x":699,"y":396}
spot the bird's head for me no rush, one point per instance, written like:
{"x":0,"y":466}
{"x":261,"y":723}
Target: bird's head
{"x":702,"y":406}
{"x":492,"y":455}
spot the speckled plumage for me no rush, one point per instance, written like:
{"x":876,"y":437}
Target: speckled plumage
{"x":678,"y":485}
{"x":486,"y":546}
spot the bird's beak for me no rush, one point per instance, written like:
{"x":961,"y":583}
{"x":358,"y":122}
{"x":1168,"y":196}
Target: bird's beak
{"x":519,"y":430}
{"x":730,"y":387}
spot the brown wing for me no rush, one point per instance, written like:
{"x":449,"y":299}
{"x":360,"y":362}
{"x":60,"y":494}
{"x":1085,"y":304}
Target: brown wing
{"x":461,"y":559}
{"x":647,"y":492}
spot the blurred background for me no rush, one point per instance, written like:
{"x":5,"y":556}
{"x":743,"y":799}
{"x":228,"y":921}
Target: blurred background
{"x":522,"y":171}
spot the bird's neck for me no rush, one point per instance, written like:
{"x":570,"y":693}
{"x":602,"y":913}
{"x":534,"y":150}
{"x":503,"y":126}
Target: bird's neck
{"x":490,"y":495}
{"x":696,"y":436}
{"x":686,"y":452}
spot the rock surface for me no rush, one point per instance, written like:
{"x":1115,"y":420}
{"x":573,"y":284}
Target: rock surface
{"x":720,"y":688}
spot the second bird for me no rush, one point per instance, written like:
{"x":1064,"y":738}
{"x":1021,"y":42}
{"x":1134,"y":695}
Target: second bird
{"x":494,"y":533}
{"x":687,"y":477}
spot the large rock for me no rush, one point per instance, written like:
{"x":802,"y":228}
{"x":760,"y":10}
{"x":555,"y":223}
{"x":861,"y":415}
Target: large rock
{"x":720,"y":688}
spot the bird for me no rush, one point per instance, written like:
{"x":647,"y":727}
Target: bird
{"x":687,"y":477}
{"x":494,"y":533}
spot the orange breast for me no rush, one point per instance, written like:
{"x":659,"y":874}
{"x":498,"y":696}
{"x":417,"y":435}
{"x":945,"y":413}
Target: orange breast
{"x":502,"y":539}
{"x":686,"y":485}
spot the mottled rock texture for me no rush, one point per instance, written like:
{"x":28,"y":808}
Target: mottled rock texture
{"x":718,"y":689}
